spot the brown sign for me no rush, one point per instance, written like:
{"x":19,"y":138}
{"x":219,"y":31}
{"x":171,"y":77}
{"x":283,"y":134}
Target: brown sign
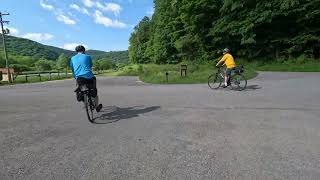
{"x":5,"y":71}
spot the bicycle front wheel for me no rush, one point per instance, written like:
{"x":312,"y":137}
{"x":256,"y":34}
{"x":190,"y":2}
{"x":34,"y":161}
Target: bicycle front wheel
{"x":88,"y":104}
{"x":214,"y":81}
{"x":238,"y":82}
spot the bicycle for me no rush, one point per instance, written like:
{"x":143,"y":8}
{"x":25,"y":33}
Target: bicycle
{"x":237,"y":80}
{"x":88,"y":101}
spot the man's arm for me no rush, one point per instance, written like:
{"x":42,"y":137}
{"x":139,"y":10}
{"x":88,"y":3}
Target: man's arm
{"x":90,"y":62}
{"x":221,"y":61}
{"x":71,"y":67}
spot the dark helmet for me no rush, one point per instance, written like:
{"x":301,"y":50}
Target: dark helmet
{"x":226,"y":50}
{"x":80,"y":48}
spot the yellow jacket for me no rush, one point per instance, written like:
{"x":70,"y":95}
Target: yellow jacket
{"x":228,"y":61}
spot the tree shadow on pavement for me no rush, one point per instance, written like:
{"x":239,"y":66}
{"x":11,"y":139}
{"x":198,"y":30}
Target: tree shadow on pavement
{"x":113,"y":114}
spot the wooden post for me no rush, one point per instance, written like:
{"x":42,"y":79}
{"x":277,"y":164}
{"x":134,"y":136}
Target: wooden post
{"x":167,"y":77}
{"x":26,"y":78}
{"x":50,"y":76}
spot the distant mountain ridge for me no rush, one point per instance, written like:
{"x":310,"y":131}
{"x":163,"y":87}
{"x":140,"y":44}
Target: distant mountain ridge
{"x":24,"y":47}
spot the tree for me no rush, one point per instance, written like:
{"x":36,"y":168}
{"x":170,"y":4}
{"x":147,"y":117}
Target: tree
{"x":43,"y":65}
{"x":106,"y":64}
{"x":2,"y":60}
{"x":96,"y":65}
{"x":197,"y":30}
{"x":63,"y":62}
{"x":20,"y":67}
{"x":139,"y":40}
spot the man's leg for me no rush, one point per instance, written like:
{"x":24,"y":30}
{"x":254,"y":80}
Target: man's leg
{"x":226,"y":80}
{"x":78,"y":91}
{"x":96,"y":98}
{"x":226,"y":77}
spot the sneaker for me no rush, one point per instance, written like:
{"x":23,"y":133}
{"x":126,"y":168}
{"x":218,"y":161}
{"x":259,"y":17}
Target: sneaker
{"x":99,"y":107}
{"x":80,"y":96}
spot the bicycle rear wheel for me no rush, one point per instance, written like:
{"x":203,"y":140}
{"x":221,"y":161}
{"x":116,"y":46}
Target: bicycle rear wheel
{"x":88,"y":105}
{"x":214,"y":81}
{"x":238,"y":82}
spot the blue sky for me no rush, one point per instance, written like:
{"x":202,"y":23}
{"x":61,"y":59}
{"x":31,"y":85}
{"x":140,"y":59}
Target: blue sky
{"x":98,"y":24}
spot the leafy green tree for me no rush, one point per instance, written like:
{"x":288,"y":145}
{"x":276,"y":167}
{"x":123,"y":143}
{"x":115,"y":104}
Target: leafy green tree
{"x":106,"y":64}
{"x":2,"y":60}
{"x":138,"y":42}
{"x":96,"y":65}
{"x":20,"y":67}
{"x":197,"y":30}
{"x":63,"y":63}
{"x":43,"y":65}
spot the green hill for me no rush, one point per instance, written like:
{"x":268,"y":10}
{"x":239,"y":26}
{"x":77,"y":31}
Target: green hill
{"x":26,"y":52}
{"x":24,"y":47}
{"x":114,"y":56}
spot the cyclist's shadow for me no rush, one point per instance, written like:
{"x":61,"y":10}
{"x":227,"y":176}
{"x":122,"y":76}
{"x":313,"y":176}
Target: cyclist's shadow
{"x":253,"y":87}
{"x":112,"y":114}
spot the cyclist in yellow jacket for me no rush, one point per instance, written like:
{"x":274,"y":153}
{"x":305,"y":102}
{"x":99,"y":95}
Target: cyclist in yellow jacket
{"x":229,"y":62}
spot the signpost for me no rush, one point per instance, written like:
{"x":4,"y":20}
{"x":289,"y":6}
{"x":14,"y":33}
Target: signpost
{"x":4,"y":32}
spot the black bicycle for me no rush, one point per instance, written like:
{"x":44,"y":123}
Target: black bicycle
{"x":237,"y":80}
{"x":88,"y":101}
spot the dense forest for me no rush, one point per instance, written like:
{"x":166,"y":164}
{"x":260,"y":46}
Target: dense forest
{"x":114,"y":56}
{"x":26,"y":55}
{"x":197,"y":30}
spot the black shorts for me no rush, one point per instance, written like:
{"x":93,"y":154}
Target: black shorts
{"x":91,"y":84}
{"x":229,"y":71}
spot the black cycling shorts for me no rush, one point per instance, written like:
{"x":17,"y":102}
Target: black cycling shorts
{"x":91,"y":84}
{"x":229,"y":71}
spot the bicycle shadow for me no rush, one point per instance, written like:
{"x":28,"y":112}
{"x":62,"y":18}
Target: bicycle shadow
{"x":252,"y":87}
{"x":114,"y":114}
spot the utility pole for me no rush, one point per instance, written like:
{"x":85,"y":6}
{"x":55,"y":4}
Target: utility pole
{"x":4,"y":32}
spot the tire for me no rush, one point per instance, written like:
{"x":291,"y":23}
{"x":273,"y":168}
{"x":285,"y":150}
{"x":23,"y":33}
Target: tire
{"x":87,"y":101}
{"x":214,"y":81}
{"x":238,"y":82}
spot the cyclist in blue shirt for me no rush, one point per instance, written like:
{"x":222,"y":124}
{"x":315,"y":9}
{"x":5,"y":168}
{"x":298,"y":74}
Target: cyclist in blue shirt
{"x":81,"y":66}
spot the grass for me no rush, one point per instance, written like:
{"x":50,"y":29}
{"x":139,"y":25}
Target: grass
{"x":300,"y":64}
{"x":286,"y":67}
{"x":156,"y":74}
{"x":33,"y":79}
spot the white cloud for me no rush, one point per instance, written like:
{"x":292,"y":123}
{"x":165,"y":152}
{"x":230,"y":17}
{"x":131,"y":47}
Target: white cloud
{"x":88,"y":3}
{"x":74,"y":6}
{"x":13,"y":31}
{"x":46,"y":6}
{"x":79,"y":9}
{"x":33,"y":36}
{"x":110,"y":7}
{"x":58,"y":13}
{"x":65,"y":19}
{"x":100,"y":19}
{"x":38,"y":36}
{"x":72,"y":46}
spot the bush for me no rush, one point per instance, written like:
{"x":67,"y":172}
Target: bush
{"x":43,"y":65}
{"x":20,"y":67}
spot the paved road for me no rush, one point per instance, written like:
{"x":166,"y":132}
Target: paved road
{"x":270,"y":131}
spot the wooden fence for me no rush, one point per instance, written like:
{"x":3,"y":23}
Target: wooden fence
{"x":37,"y":74}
